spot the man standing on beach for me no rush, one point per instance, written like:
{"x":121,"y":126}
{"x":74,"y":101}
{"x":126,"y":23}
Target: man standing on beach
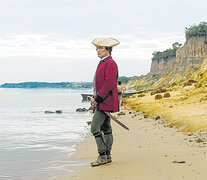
{"x":105,"y":99}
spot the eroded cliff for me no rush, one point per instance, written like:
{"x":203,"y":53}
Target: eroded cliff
{"x":176,"y":69}
{"x":191,"y":54}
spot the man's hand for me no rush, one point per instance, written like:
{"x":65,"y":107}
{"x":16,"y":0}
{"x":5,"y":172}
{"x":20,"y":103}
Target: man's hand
{"x":94,"y":102}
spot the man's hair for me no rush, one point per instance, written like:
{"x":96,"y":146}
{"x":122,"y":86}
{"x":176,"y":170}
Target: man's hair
{"x":109,"y":49}
{"x":119,"y":83}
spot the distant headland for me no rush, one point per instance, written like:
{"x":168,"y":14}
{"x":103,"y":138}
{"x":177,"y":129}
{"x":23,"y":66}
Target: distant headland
{"x":87,"y":85}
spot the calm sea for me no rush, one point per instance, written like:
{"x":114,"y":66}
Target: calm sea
{"x":35,"y":145}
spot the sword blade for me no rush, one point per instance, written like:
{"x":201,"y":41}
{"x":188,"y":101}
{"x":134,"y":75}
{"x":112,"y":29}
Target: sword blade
{"x":116,"y":120}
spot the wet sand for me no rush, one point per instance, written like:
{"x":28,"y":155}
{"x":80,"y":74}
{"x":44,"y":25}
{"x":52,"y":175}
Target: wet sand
{"x":150,"y":150}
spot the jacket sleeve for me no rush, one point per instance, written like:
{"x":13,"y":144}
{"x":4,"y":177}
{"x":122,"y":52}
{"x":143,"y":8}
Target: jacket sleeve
{"x":109,"y":82}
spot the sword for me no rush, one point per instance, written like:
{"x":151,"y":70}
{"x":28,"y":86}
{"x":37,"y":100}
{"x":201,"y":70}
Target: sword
{"x":116,"y":120}
{"x":113,"y":117}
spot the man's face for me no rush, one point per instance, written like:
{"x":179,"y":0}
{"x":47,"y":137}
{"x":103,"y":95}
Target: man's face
{"x":102,"y":52}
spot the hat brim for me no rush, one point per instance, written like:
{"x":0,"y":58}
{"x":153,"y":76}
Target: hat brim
{"x":107,"y":42}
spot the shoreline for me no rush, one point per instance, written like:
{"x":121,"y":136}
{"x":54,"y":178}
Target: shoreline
{"x":150,"y":150}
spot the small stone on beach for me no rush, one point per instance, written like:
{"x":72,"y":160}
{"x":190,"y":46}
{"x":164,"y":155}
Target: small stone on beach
{"x":157,"y":117}
{"x":199,"y":140}
{"x":141,"y":95}
{"x":166,"y":95}
{"x":178,"y":162}
{"x":121,"y":113}
{"x":190,"y":134}
{"x":158,"y":96}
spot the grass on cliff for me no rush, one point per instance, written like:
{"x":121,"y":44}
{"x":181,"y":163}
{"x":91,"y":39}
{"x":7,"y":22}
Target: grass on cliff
{"x":168,"y":53}
{"x":196,"y":30}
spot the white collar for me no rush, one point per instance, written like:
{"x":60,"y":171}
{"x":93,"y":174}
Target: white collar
{"x":104,"y":58}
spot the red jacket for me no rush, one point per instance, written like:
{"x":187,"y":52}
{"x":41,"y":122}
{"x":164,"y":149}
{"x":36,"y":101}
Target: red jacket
{"x":106,"y":85}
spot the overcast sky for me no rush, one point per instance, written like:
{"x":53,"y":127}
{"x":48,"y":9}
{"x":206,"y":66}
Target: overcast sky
{"x":50,"y":40}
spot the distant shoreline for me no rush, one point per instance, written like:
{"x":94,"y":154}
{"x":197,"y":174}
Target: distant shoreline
{"x":33,"y":85}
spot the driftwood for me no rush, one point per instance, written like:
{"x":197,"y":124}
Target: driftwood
{"x":85,"y":96}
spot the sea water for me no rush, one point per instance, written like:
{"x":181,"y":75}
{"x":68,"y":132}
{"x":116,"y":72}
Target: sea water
{"x":35,"y":145}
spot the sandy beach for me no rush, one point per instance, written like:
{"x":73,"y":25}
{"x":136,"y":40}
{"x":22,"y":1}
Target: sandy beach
{"x":167,"y":139}
{"x":150,"y":150}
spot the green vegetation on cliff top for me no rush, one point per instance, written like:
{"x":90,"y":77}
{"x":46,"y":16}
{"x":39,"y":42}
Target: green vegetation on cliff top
{"x":196,"y":30}
{"x":168,"y":53}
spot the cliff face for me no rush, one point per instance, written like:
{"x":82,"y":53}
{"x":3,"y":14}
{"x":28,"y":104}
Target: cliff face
{"x":194,"y":48}
{"x":191,"y":54}
{"x":188,"y":60}
{"x":162,"y":66}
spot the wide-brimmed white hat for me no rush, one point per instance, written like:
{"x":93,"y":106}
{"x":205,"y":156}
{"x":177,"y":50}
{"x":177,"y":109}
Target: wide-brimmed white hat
{"x":107,"y":42}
